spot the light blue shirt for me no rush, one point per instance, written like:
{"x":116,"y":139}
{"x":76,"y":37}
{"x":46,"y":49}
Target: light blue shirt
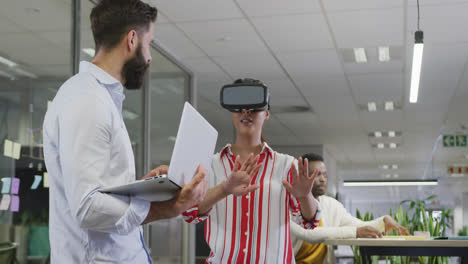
{"x":87,"y":147}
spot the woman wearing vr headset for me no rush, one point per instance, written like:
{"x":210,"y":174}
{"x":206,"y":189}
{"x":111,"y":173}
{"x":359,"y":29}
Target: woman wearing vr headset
{"x":254,"y":190}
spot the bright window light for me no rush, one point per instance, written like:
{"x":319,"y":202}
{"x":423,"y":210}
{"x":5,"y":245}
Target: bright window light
{"x":389,"y":183}
{"x":392,"y":145}
{"x":380,"y":145}
{"x":385,"y":167}
{"x":391,"y":133}
{"x":360,"y":55}
{"x":384,"y":54}
{"x":90,"y":51}
{"x":394,"y":166}
{"x":378,"y":134}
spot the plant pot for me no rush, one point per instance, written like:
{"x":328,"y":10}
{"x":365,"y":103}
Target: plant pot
{"x":7,"y":252}
{"x":38,"y":241}
{"x":20,"y":236}
{"x":5,"y":231}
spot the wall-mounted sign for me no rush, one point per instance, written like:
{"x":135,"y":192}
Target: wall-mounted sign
{"x":454,"y":141}
{"x":457,"y":170}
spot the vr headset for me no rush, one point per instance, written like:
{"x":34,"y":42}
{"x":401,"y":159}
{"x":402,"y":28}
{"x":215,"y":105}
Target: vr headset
{"x":250,"y":96}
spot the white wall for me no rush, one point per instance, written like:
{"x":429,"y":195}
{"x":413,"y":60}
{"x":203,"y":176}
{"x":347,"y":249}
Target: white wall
{"x":332,"y":172}
{"x":465,"y":208}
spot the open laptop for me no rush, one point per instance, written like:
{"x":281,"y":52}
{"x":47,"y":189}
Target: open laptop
{"x":194,"y":145}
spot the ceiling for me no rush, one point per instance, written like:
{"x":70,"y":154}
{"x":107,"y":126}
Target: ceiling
{"x":300,"y":49}
{"x":38,"y":40}
{"x":31,"y":26}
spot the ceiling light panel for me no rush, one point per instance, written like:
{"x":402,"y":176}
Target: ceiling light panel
{"x":389,"y":106}
{"x":372,"y":106}
{"x":360,"y":55}
{"x":384,"y":54}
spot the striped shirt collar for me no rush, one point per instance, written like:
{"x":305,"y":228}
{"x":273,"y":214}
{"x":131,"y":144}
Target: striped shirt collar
{"x":265,"y":150}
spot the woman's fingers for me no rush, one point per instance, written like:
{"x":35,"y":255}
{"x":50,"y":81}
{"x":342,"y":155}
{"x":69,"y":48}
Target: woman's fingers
{"x":294,"y":173}
{"x":255,"y":170}
{"x":305,"y":168}
{"x":253,"y":165}
{"x":236,"y":164}
{"x":300,"y":167}
{"x":288,"y":186}
{"x":251,"y":188}
{"x":316,"y":171}
{"x":303,"y":165}
{"x":246,"y":163}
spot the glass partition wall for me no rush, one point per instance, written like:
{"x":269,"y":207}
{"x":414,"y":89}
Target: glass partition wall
{"x":41,"y":43}
{"x":168,"y":90}
{"x":35,"y":60}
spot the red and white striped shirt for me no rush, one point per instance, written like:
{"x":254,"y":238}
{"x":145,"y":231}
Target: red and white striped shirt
{"x":253,"y":228}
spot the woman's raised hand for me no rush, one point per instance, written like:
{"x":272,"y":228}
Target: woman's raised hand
{"x":238,"y":183}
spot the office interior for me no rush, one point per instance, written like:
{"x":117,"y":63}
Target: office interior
{"x":339,"y":73}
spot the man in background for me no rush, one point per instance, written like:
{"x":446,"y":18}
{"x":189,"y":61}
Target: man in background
{"x":336,"y":222}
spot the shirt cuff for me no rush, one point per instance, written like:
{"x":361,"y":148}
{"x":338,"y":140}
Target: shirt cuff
{"x":191,"y":215}
{"x":352,"y":231}
{"x":315,"y":222}
{"x":380,"y":225}
{"x":138,"y":211}
{"x":134,"y":215}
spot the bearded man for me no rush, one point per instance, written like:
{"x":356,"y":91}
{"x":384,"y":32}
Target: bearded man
{"x":87,"y":147}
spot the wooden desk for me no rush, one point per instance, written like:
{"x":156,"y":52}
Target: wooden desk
{"x":393,"y":247}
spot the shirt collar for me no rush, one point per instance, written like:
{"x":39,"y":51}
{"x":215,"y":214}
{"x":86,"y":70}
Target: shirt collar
{"x":113,"y":86}
{"x":266,"y":149}
{"x":101,"y":76}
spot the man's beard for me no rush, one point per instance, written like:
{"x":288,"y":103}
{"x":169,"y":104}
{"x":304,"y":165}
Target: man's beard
{"x":134,"y":70}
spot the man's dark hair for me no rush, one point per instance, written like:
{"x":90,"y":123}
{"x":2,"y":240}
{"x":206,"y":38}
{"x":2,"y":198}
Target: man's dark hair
{"x":312,"y":157}
{"x":112,"y":19}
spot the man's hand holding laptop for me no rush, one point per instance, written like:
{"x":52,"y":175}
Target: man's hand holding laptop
{"x":163,"y":169}
{"x":190,"y":195}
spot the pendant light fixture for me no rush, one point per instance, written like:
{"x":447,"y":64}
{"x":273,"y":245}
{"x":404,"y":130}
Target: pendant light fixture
{"x":417,"y":62}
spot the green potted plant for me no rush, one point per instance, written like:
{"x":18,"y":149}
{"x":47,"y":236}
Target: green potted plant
{"x":421,"y":220}
{"x":463,"y":231}
{"x":357,"y":254}
{"x":415,"y":218}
